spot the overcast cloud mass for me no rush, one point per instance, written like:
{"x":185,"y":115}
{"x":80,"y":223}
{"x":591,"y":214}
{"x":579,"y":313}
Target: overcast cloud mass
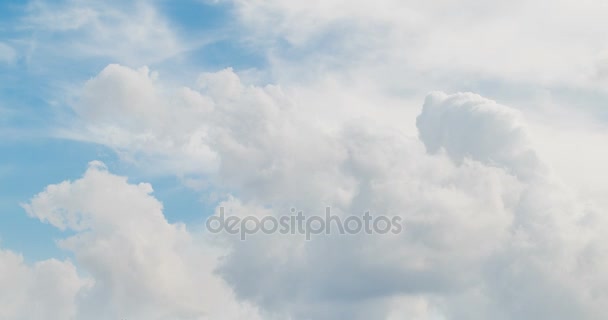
{"x":125,"y":125}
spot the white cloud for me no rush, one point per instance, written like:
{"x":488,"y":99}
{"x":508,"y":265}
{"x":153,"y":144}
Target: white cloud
{"x":376,"y":61}
{"x":469,"y":126}
{"x":125,"y":109}
{"x":487,"y":236}
{"x":208,"y":132}
{"x":482,"y":211}
{"x":142,"y":266}
{"x":47,"y":289}
{"x":491,"y":231}
{"x":438,"y":41}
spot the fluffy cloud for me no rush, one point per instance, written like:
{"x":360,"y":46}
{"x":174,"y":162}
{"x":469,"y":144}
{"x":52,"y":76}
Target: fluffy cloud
{"x":474,"y":227}
{"x":245,"y":138}
{"x":141,"y":266}
{"x":378,"y":60}
{"x":469,"y":126}
{"x":490,"y":231}
{"x":47,"y":289}
{"x":126,"y":110}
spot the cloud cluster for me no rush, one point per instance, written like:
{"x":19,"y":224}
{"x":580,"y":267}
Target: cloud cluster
{"x":490,"y":232}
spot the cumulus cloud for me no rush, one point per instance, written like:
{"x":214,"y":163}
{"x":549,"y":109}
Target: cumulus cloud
{"x":126,"y":110}
{"x":378,"y":60}
{"x":469,"y":126}
{"x":490,"y":231}
{"x":207,"y":132}
{"x":48,"y":289}
{"x":140,"y":266}
{"x":473,"y":228}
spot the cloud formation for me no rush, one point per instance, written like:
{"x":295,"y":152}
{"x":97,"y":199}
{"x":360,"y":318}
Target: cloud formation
{"x":139,"y":266}
{"x":490,"y":232}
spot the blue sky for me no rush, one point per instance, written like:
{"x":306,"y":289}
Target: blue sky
{"x":481,"y":125}
{"x":33,"y":106}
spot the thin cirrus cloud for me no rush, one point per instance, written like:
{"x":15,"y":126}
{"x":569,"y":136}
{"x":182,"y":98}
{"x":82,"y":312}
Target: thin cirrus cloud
{"x":492,"y":229}
{"x":129,"y":33}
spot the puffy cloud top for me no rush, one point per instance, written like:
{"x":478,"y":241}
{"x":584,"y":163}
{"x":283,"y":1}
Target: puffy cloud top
{"x":467,"y":125}
{"x":481,"y":210}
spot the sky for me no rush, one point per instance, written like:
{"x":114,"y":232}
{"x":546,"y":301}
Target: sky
{"x":125,"y":125}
